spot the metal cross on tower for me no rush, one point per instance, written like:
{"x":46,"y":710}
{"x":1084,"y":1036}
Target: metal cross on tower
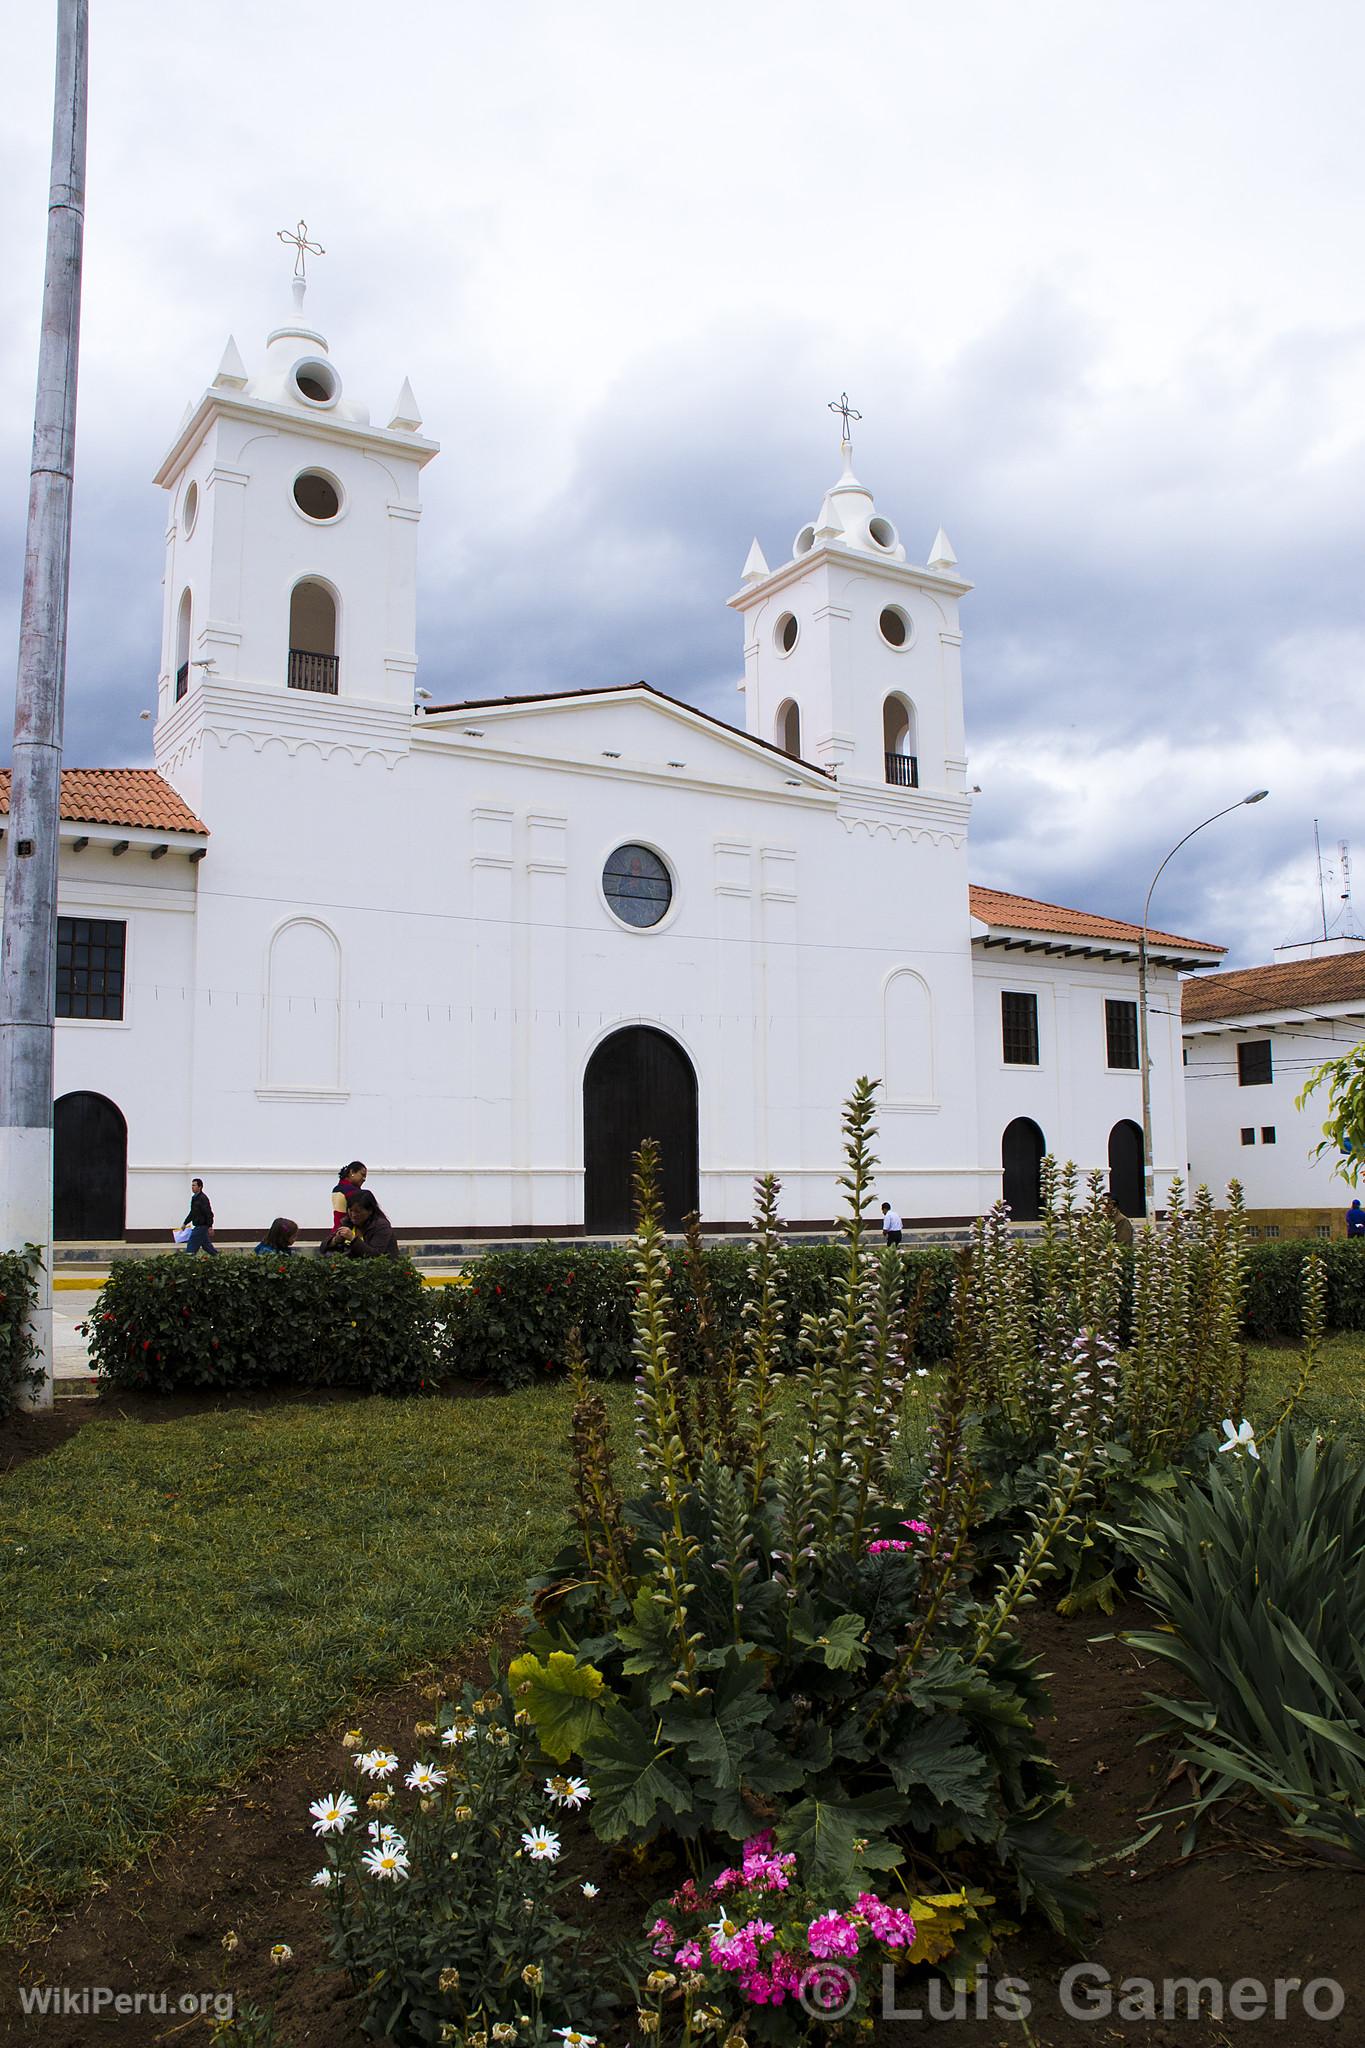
{"x":845,"y":410}
{"x":303,"y":248}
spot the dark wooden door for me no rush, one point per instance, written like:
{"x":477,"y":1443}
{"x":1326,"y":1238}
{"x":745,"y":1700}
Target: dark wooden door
{"x":639,"y":1085}
{"x":1021,"y":1156}
{"x":89,"y":1167}
{"x":1125,"y":1168}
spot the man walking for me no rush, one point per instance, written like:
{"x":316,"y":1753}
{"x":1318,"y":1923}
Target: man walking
{"x":1355,"y":1219}
{"x":891,"y":1225}
{"x":200,"y":1220}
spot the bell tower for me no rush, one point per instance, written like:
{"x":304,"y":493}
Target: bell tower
{"x":291,"y":540}
{"x":852,"y":654}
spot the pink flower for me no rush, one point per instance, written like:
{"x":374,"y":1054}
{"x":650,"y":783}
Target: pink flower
{"x":664,"y":1937}
{"x":918,"y":1528}
{"x":688,"y":1956}
{"x":832,"y":1935}
{"x":890,"y":1925}
{"x":887,"y":1543}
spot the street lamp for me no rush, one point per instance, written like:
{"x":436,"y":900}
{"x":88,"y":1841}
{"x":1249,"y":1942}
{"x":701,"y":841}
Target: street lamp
{"x":1144,"y":1053}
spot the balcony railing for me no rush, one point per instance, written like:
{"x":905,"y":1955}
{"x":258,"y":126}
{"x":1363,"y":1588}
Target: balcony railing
{"x":182,"y":680}
{"x":902,"y":771}
{"x":313,"y":671}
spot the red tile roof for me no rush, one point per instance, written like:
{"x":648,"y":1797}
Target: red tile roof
{"x":1285,"y":985}
{"x":118,"y":796}
{"x":1025,"y":914}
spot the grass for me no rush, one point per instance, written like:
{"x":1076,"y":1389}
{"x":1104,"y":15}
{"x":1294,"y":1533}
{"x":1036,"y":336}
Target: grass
{"x":1335,"y":1400}
{"x":185,"y":1597}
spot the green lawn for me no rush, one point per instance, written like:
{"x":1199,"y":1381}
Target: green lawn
{"x":182,"y":1598}
{"x":1335,"y":1400}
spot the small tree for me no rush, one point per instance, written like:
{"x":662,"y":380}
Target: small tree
{"x":1343,"y":1130}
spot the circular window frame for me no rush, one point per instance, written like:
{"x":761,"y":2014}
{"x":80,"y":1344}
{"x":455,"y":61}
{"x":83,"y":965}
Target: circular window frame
{"x":189,"y":509}
{"x":887,"y":547}
{"x":300,"y":368}
{"x":778,"y":630}
{"x":308,"y":518}
{"x":906,"y":620}
{"x":638,"y":931}
{"x":804,"y":542}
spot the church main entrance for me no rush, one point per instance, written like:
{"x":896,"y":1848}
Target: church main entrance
{"x":89,"y":1167}
{"x":639,"y":1084}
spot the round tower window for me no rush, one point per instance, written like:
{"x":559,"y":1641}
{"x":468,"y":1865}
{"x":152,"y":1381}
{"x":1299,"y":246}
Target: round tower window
{"x":317,"y":495}
{"x":189,"y":511}
{"x":804,"y":542}
{"x":894,"y":626}
{"x":637,"y":886}
{"x":316,"y":381}
{"x":786,"y":632}
{"x":882,"y":531}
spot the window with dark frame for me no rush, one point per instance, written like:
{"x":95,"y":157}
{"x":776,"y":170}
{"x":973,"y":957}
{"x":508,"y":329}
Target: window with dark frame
{"x":90,"y":960}
{"x":1248,"y":1134}
{"x":1120,"y":1032}
{"x":1267,"y":1134}
{"x":1019,"y":1028}
{"x":1253,"y":1063}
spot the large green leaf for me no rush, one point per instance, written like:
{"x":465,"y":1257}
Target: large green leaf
{"x":633,"y":1782}
{"x":840,"y":1644}
{"x":717,"y":1731}
{"x":824,"y":1834}
{"x":563,"y":1698}
{"x":938,"y":1758}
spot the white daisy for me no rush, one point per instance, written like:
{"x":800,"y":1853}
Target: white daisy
{"x":325,"y":1879}
{"x":458,"y":1731}
{"x":541,"y":1845}
{"x":377,"y":1763}
{"x":424,"y":1778}
{"x":571,"y":2038}
{"x":589,"y":1891}
{"x":386,"y":1862}
{"x":568,"y":1791}
{"x":383,"y":1832}
{"x":333,"y":1813}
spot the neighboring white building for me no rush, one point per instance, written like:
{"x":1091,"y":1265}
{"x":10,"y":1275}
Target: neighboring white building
{"x":488,"y":946}
{"x":1252,"y":1038}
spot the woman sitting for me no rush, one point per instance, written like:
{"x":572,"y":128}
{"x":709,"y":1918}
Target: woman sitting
{"x":279,"y":1238}
{"x":370,"y":1231}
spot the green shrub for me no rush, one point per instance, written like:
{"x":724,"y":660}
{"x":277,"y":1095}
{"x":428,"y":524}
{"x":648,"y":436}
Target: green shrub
{"x":1275,"y":1286}
{"x":239,"y":1320}
{"x":1257,"y":1571}
{"x":18,"y":1292}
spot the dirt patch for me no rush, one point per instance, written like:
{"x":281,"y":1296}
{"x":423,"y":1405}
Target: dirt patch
{"x":1235,"y":1910}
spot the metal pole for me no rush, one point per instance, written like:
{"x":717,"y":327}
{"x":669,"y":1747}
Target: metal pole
{"x":1144,"y":1052}
{"x":27,"y":963}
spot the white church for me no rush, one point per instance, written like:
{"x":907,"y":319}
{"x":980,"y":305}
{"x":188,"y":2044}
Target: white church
{"x":489,"y":946}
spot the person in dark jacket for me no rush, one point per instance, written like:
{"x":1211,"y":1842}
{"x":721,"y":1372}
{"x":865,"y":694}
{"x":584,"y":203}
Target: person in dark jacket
{"x":280,"y":1237}
{"x":200,"y":1220}
{"x":371,"y":1231}
{"x":1355,"y":1219}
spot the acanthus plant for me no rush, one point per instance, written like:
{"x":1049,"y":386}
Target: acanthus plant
{"x":771,"y":1630}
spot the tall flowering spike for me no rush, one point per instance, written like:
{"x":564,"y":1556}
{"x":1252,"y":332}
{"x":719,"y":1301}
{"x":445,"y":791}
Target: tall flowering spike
{"x":851,"y":1392}
{"x":1313,"y":1283}
{"x":764,"y":1324}
{"x":597,"y":1502}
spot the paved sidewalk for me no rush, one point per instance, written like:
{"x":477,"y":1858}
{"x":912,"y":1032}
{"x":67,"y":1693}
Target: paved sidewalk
{"x":70,"y":1365}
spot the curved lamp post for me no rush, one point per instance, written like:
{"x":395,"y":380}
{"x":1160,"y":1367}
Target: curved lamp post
{"x":1144,"y":1053}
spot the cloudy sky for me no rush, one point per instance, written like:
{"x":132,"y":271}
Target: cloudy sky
{"x":1090,"y":269}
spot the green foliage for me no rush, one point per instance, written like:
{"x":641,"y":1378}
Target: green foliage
{"x":780,"y":1643}
{"x":466,"y":1935}
{"x":18,"y":1293}
{"x":1343,"y":1130}
{"x":1257,"y":1570}
{"x":1275,"y":1286}
{"x":239,"y":1320}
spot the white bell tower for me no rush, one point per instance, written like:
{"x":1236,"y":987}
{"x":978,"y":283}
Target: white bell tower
{"x":292,"y":539}
{"x":852,"y":654}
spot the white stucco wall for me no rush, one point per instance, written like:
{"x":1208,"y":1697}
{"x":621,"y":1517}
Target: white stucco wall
{"x":1285,"y":1174}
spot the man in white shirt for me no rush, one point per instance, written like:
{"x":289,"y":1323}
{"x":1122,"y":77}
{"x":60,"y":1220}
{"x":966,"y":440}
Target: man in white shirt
{"x":891,"y":1225}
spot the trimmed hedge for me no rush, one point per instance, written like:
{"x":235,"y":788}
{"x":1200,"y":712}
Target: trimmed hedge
{"x":241,"y":1320}
{"x":1274,"y":1306}
{"x":18,"y":1290}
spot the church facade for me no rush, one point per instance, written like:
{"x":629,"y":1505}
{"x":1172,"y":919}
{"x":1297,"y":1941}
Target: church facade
{"x":488,"y":946}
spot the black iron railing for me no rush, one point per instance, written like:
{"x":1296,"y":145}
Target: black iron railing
{"x":902,"y":771}
{"x":313,"y":671}
{"x":182,"y":680}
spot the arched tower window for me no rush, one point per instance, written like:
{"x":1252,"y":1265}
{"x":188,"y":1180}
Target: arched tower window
{"x":789,"y":729}
{"x":313,"y":660}
{"x":182,"y":646}
{"x":900,"y":744}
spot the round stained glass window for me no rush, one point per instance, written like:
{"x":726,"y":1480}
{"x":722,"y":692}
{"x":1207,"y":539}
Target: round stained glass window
{"x":637,"y":886}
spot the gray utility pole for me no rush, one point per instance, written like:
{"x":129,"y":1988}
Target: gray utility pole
{"x":27,"y":967}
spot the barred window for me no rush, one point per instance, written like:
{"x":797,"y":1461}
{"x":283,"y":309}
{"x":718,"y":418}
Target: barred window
{"x":1019,"y":1028}
{"x":1121,"y":1033}
{"x":90,"y":954}
{"x":1253,"y":1063}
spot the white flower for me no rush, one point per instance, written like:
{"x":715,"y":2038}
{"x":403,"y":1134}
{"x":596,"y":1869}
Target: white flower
{"x":1240,"y":1438}
{"x":458,"y":1731}
{"x":568,"y":1791}
{"x":541,"y":1845}
{"x":325,"y":1879}
{"x":571,"y":2038}
{"x":333,"y":1813}
{"x":386,"y":1861}
{"x":589,"y":1891}
{"x":377,"y":1763}
{"x":281,"y":1954}
{"x":723,"y":1929}
{"x":424,"y":1778}
{"x":382,"y":1832}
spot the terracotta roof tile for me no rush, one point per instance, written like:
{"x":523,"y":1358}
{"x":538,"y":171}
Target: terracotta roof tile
{"x":1284,"y":985}
{"x":1026,"y":914}
{"x":118,"y":796}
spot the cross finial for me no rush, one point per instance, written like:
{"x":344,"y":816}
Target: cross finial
{"x":845,"y":410}
{"x":303,"y":248}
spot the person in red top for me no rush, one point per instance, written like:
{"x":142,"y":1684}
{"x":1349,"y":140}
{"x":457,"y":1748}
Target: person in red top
{"x":350,"y":1181}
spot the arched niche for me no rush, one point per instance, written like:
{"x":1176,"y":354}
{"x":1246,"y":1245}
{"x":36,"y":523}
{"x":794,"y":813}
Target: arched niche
{"x":788,"y":730}
{"x":303,"y":1007}
{"x":907,"y":1038}
{"x":900,"y":742}
{"x":313,"y":648}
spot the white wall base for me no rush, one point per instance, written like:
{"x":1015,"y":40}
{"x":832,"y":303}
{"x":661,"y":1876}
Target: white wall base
{"x":26,"y":1218}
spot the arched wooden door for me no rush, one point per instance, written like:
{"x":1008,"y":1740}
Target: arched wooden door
{"x":1021,"y":1156}
{"x":1125,"y":1168}
{"x":89,"y":1167}
{"x":639,"y":1084}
